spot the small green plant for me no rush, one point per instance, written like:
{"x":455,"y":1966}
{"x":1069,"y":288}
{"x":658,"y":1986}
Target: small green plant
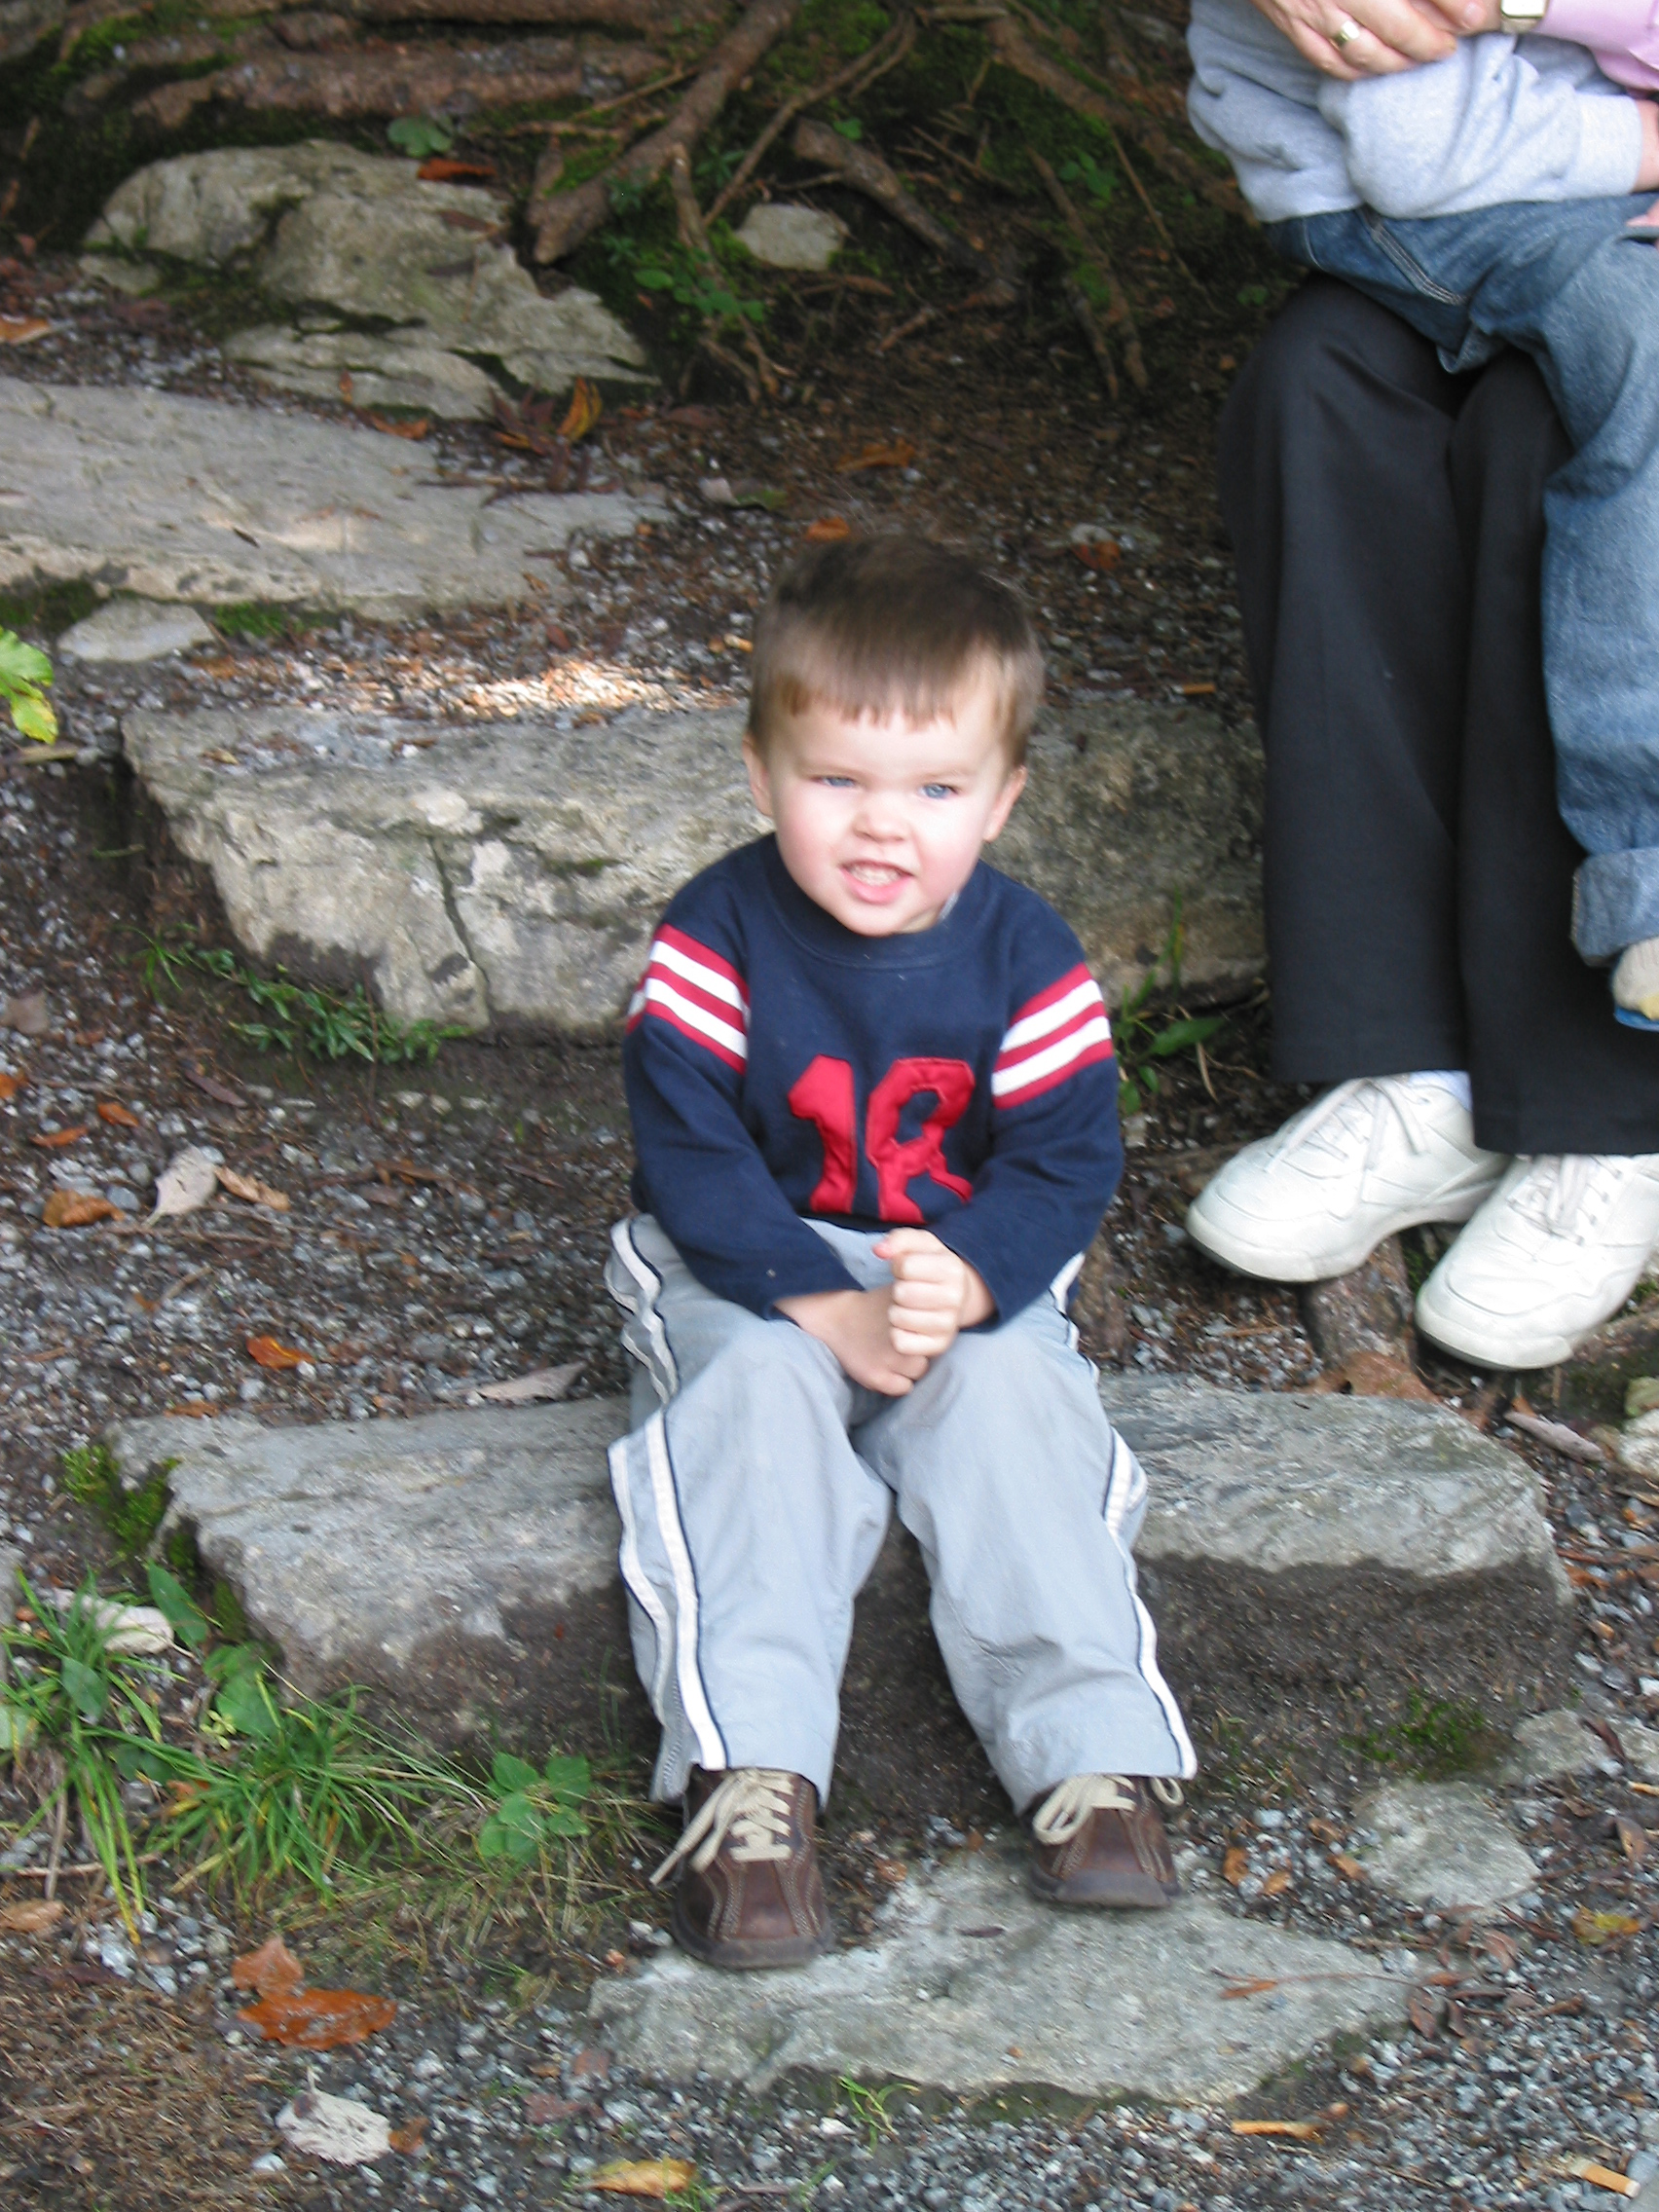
{"x":256,"y":619}
{"x":304,"y":1019}
{"x":92,"y":1477}
{"x":1143,"y":1037}
{"x":26,"y":674}
{"x":1097,"y":182}
{"x":869,"y":2106}
{"x":1438,"y":1737}
{"x":418,"y":135}
{"x":535,"y":1810}
{"x":71,"y":1698}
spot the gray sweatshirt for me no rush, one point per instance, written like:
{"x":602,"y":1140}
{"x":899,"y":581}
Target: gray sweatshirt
{"x":1503,"y":118}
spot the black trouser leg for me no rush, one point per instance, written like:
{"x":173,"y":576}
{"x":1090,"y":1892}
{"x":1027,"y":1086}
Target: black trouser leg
{"x":1552,"y":1070}
{"x":1353,"y":596}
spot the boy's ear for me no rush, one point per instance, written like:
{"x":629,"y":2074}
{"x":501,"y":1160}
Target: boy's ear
{"x":759,"y":782}
{"x":1005,"y":798}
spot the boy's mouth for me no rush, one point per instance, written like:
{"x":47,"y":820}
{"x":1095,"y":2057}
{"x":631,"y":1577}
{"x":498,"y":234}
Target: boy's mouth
{"x":874,"y":878}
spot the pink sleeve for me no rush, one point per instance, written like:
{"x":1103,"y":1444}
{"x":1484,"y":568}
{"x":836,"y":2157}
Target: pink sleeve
{"x":1622,"y":35}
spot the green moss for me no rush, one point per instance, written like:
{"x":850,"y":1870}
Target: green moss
{"x":47,"y":610}
{"x":256,"y":619}
{"x":91,"y":1475}
{"x":1438,"y":1737}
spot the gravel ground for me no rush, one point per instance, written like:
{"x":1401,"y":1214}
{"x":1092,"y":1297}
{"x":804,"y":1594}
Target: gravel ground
{"x":446,"y":1229}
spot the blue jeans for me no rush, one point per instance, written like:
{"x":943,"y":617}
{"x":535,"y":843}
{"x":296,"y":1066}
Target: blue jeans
{"x":1566,"y":282}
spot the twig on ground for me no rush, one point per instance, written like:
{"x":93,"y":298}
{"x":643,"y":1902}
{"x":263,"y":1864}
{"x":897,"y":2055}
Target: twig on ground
{"x":1076,"y":299}
{"x":907,"y":329}
{"x":1145,"y":197}
{"x":1119,"y":311}
{"x":613,"y":14}
{"x":567,"y":218}
{"x":862,"y":71}
{"x":694,"y":237}
{"x":870,"y":174}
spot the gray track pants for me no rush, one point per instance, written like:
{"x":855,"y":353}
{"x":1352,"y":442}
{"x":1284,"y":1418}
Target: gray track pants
{"x":755,"y":1490}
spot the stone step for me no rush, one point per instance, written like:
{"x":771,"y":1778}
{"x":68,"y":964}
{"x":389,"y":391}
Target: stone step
{"x":511,"y":874}
{"x":1312,"y":1563}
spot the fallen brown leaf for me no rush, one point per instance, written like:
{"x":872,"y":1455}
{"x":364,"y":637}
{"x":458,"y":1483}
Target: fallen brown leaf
{"x":11,"y":1084}
{"x":898,"y":453}
{"x":1251,"y":1988}
{"x":76,"y":1209}
{"x":445,"y":168}
{"x":269,"y":1353}
{"x":1299,"y":2130}
{"x":54,"y":1140}
{"x":829,"y":529}
{"x":584,"y":411}
{"x":22,"y":330}
{"x":1235,"y":1865}
{"x":256,"y":1193}
{"x":319,"y":2019}
{"x":409,"y":2139}
{"x":1633,"y":1840}
{"x":117,"y":1115}
{"x":1345,"y":1864}
{"x":1423,"y":2006}
{"x":1598,"y":1928}
{"x":1100,"y":553}
{"x":272,"y":1971}
{"x":383,"y":423}
{"x":31,"y":1916}
{"x":643,"y":2177}
{"x":892,"y":1871}
{"x":1277,"y":1882}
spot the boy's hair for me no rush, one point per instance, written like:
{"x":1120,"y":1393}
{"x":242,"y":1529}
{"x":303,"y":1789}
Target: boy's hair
{"x":892,"y":625}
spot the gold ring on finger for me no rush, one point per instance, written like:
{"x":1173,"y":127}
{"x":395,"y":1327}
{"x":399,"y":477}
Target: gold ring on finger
{"x":1345,"y":34}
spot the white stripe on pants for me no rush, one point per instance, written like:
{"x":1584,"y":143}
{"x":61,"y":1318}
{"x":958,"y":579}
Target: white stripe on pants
{"x":755,"y":1491}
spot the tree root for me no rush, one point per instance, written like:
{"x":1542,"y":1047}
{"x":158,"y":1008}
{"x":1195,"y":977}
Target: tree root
{"x":694,"y":237}
{"x":1118,"y":311}
{"x":886,"y":52}
{"x":1015,"y":52}
{"x":646,"y":16}
{"x":412,"y":80}
{"x":870,"y":174}
{"x":567,"y":218}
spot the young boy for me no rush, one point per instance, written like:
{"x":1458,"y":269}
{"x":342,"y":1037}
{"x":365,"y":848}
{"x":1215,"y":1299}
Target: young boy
{"x":875,"y":1112}
{"x":1487,"y":199}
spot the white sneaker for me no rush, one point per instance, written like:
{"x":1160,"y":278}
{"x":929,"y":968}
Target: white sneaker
{"x":1556,"y":1249}
{"x":1372,"y":1157}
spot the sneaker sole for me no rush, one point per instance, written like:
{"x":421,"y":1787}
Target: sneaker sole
{"x":1289,"y":1267}
{"x":1143,"y":1894}
{"x":754,"y":1956}
{"x":1522,"y":1356}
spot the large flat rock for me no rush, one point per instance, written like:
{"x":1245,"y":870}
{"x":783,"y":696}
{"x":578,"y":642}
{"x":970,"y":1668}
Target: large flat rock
{"x":403,"y":286}
{"x":972,"y":1985}
{"x":1341,"y":1555}
{"x":197,"y":500}
{"x":1311,"y":1564}
{"x":511,"y":874}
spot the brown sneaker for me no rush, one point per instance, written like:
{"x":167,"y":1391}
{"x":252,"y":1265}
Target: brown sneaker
{"x":750,"y":1893}
{"x":1098,"y":1840}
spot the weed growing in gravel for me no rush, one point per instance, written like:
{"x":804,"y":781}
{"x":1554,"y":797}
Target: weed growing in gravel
{"x":25,"y":676}
{"x":302,"y":1020}
{"x":1142,"y":1037}
{"x":1438,"y":1737}
{"x":869,"y":2106}
{"x":92,"y":1476}
{"x":69,"y":1696}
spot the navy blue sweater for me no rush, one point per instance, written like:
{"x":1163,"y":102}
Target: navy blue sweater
{"x":959,"y":1078}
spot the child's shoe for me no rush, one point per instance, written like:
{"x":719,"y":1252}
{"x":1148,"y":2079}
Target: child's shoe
{"x":749,"y":1894}
{"x":1098,"y":1840}
{"x":1636,"y":986}
{"x":1554,"y":1252}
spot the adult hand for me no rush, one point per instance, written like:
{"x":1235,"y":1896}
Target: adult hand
{"x":934,"y":1294}
{"x":1373,"y":38}
{"x":856,"y":1326}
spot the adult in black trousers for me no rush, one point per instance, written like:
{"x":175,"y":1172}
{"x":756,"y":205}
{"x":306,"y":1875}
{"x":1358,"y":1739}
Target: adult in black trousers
{"x":1387,"y":522}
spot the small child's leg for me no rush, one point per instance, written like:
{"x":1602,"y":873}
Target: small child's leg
{"x":747,"y":1524}
{"x":1025,"y":1504}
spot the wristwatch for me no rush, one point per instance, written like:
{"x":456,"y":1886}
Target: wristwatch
{"x":1521,"y":16}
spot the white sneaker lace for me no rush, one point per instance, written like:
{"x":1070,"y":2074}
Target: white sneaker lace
{"x":751,"y":1807}
{"x":1570,"y":1194}
{"x":1345,"y":1110}
{"x":1064,"y":1810}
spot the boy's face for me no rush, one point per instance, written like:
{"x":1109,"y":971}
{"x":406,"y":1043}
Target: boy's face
{"x":880,"y":822}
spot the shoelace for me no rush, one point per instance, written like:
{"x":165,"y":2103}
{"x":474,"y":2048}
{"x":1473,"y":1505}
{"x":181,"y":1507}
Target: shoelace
{"x":751,"y":1806}
{"x":1570,"y":1194}
{"x":1065,"y":1809}
{"x":1341,"y":1107}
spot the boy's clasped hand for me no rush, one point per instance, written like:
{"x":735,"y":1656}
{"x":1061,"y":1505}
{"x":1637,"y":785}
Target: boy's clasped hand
{"x":886,"y":1337}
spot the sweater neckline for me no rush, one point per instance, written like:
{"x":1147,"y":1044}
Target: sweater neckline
{"x":827,"y":938}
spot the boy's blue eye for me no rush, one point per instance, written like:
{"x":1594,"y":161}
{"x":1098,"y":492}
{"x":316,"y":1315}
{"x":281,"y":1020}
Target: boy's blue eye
{"x":838,"y":783}
{"x":939,"y":790}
